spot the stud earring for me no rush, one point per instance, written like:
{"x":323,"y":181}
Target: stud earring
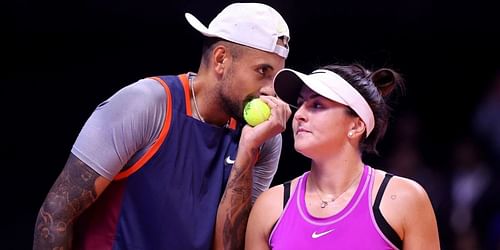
{"x":350,"y":134}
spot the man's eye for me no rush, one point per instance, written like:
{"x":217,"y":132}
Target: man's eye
{"x":264,"y":70}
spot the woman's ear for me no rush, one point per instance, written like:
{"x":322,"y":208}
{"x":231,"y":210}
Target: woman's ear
{"x":358,"y":128}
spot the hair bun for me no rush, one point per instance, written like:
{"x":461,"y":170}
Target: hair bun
{"x":385,"y":80}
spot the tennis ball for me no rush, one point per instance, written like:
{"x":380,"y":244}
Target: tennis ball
{"x":256,"y":111}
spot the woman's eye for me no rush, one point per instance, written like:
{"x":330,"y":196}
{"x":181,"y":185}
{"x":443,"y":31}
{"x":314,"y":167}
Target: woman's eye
{"x":317,"y":105}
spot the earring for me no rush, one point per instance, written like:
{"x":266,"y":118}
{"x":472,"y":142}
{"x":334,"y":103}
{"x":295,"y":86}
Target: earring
{"x":350,"y":134}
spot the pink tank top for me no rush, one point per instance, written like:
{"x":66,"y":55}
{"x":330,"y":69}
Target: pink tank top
{"x":354,"y":227}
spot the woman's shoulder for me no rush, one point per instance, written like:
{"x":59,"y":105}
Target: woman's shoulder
{"x":403,"y":202}
{"x":408,"y":209}
{"x":406,"y":190}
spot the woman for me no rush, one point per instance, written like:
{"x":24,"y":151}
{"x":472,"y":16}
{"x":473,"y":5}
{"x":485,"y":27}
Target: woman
{"x":341,"y":203}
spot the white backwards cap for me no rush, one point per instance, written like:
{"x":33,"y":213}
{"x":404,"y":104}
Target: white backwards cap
{"x":254,"y":25}
{"x":326,"y":83}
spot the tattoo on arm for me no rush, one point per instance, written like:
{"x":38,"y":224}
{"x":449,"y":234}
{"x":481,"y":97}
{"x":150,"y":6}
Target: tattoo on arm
{"x":72,"y":192}
{"x":239,"y":189}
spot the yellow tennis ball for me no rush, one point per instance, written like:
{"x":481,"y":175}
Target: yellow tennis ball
{"x":256,"y":111}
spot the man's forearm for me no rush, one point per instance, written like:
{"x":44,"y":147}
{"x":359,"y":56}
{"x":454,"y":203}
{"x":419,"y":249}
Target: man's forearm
{"x":73,"y":191}
{"x":234,"y":208}
{"x":51,"y":233}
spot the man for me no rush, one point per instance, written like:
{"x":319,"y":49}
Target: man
{"x":166,"y":162}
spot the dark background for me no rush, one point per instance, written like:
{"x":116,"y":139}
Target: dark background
{"x":62,"y":58}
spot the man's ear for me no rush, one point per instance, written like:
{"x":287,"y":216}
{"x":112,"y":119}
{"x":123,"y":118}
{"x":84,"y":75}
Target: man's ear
{"x":220,"y":56}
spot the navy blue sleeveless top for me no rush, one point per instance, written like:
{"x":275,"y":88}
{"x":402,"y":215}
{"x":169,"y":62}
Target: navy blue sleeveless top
{"x":168,"y":199}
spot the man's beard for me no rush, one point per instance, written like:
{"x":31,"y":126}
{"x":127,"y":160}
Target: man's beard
{"x":230,"y":106}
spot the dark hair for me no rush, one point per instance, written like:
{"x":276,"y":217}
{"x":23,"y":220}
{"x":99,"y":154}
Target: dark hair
{"x":210,"y":42}
{"x":236,"y":49}
{"x":375,"y":87}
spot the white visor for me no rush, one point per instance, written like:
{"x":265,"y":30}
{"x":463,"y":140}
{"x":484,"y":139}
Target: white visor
{"x":326,"y":83}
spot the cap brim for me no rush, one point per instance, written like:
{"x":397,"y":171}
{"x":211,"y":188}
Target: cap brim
{"x":193,"y":21}
{"x":288,"y":83}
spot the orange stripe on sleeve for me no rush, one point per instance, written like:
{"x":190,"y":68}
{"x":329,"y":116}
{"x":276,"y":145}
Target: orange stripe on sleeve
{"x":156,"y":145}
{"x":187,"y":95}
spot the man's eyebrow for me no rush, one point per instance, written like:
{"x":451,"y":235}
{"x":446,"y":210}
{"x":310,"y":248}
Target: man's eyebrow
{"x":266,"y":65}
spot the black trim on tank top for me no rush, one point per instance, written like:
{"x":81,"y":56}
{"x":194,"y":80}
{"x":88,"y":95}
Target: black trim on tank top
{"x":286,"y":193}
{"x":382,"y":223}
{"x":286,"y":196}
